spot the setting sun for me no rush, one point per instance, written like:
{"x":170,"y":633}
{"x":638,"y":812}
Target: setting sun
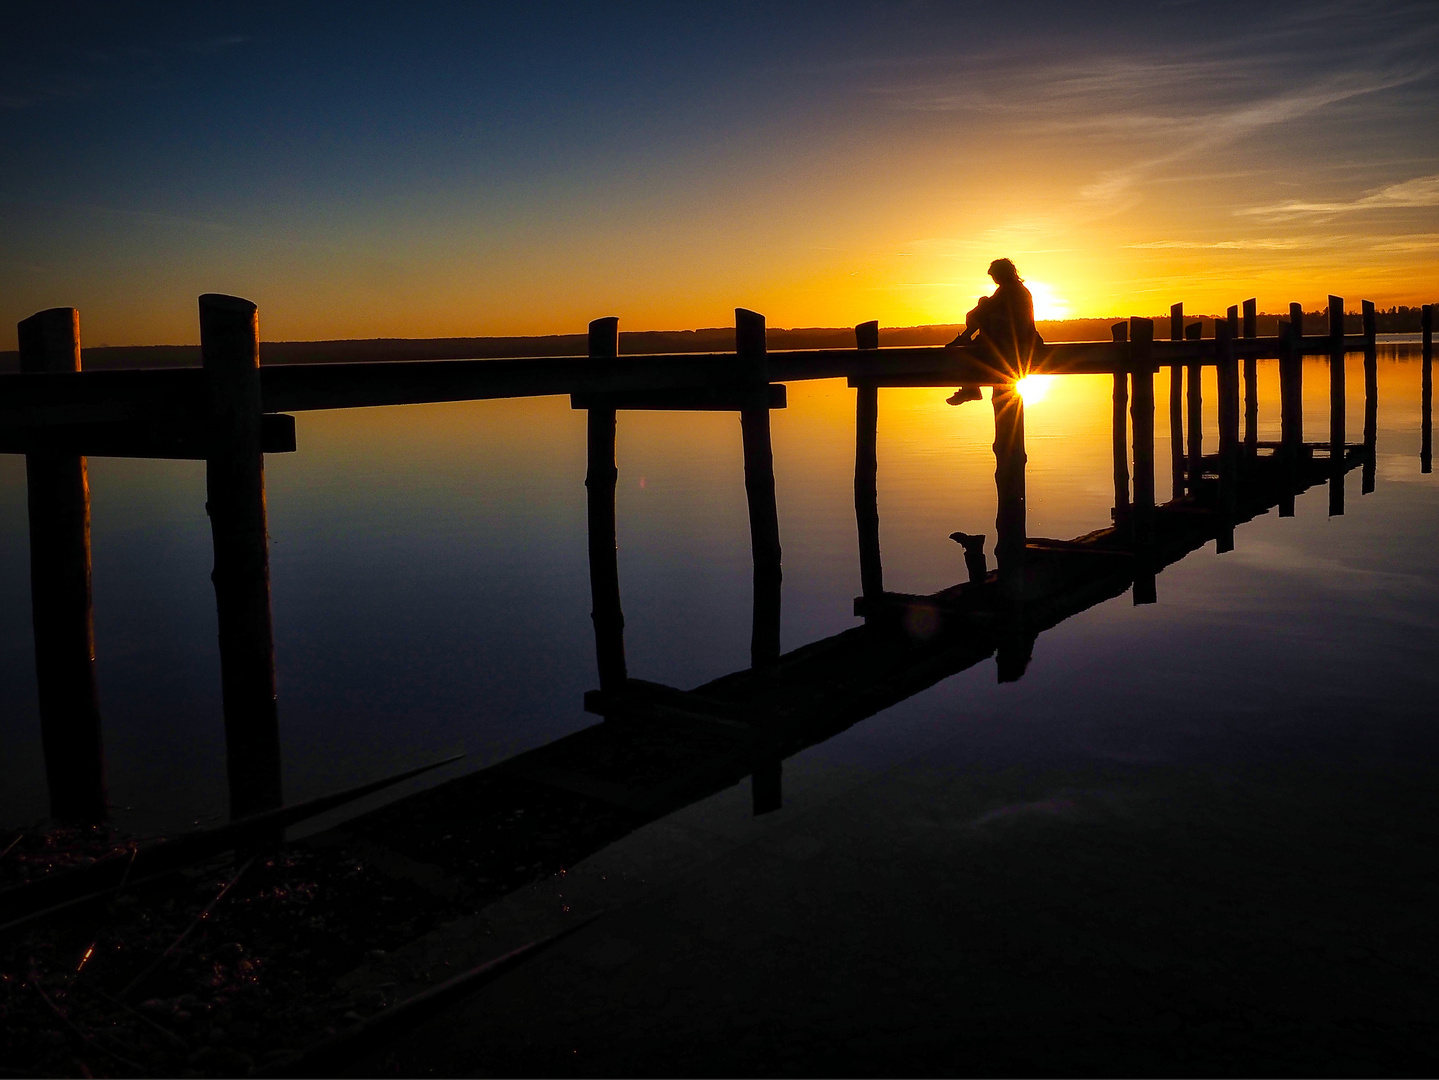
{"x":1047,"y":303}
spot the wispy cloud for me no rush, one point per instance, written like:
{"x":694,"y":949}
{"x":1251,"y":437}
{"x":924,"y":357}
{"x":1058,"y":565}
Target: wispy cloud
{"x":1154,"y":109}
{"x":1422,"y":191}
{"x":1413,"y":242}
{"x":1195,"y":135}
{"x":1224,"y":245}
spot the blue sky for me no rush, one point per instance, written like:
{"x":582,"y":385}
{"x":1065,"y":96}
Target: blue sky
{"x":365,"y":170}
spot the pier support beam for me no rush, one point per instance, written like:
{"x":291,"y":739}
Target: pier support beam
{"x":1120,"y":438}
{"x":1227,"y":367}
{"x":600,"y":480}
{"x":62,"y":611}
{"x":1195,"y":423}
{"x":235,"y":484}
{"x":1176,"y":405}
{"x":1251,"y":382}
{"x":1336,"y":406}
{"x":866,"y":467}
{"x":749,"y":332}
{"x":1371,"y":396}
{"x":1291,"y":404}
{"x":1141,"y":411}
{"x":1426,"y":393}
{"x":1011,"y":529}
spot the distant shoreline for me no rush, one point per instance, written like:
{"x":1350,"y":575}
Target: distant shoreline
{"x":713,"y":339}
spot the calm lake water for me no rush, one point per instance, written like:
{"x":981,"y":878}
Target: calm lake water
{"x":431,"y":594}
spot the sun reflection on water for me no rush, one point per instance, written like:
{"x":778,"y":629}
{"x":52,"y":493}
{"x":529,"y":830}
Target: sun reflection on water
{"x":1033,"y":388}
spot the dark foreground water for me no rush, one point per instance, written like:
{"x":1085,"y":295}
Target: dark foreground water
{"x":1223,"y":802}
{"x":431,"y":589}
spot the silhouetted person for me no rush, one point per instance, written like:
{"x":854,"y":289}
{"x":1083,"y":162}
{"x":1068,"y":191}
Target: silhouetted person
{"x":1004,"y":322}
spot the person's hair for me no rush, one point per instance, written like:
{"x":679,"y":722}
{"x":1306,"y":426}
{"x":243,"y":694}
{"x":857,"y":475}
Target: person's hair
{"x":1004,"y":270}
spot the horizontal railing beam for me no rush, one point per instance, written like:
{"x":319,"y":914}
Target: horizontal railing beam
{"x":48,"y":400}
{"x":181,"y":440}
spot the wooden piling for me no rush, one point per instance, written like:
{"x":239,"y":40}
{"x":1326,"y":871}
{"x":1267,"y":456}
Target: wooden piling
{"x":1426,"y":393}
{"x":1176,"y":406}
{"x":1288,"y":446}
{"x":1195,"y":419}
{"x":1251,"y":382}
{"x":235,"y":484}
{"x":1227,"y":367}
{"x":1371,"y":396}
{"x":1010,"y":459}
{"x":1011,"y":528}
{"x":1120,"y":429}
{"x":600,"y":480}
{"x":1291,"y":404}
{"x":866,"y":467}
{"x":61,"y":600}
{"x":1336,"y":406}
{"x":974,"y":561}
{"x":1141,"y":412}
{"x":749,"y":332}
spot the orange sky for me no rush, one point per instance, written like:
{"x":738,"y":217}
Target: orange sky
{"x":378,"y":181}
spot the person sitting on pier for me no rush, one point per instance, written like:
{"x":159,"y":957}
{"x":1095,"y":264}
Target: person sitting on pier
{"x":1004,"y":321}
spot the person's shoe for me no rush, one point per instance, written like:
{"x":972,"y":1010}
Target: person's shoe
{"x":963,"y":394}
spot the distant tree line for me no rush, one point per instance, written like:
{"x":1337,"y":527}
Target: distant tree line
{"x":1396,"y":320}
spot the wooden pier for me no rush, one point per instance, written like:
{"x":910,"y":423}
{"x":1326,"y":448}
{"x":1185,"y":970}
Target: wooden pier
{"x":232,"y":411}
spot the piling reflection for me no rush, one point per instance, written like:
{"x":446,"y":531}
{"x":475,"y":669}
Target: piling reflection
{"x":62,"y":610}
{"x":1426,"y":395}
{"x":662,"y":747}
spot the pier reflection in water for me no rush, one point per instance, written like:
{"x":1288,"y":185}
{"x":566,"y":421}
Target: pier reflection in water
{"x":749,"y":721}
{"x":1006,"y":683}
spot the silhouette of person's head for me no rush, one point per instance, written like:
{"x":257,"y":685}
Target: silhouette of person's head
{"x":1003,"y":272}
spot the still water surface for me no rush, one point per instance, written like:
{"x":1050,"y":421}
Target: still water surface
{"x":431,"y":594}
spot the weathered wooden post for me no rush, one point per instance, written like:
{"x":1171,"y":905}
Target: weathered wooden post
{"x":235,"y":484}
{"x":1176,"y":406}
{"x":61,"y":604}
{"x":1120,"y":426}
{"x":1195,"y":418}
{"x":600,"y":480}
{"x":749,"y":333}
{"x":1291,"y":403}
{"x":1227,"y":366}
{"x":1336,"y":406}
{"x":1426,"y":393}
{"x":1011,"y":529}
{"x":1251,"y":381}
{"x":1371,"y":396}
{"x":866,"y":466}
{"x":1141,"y":409}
